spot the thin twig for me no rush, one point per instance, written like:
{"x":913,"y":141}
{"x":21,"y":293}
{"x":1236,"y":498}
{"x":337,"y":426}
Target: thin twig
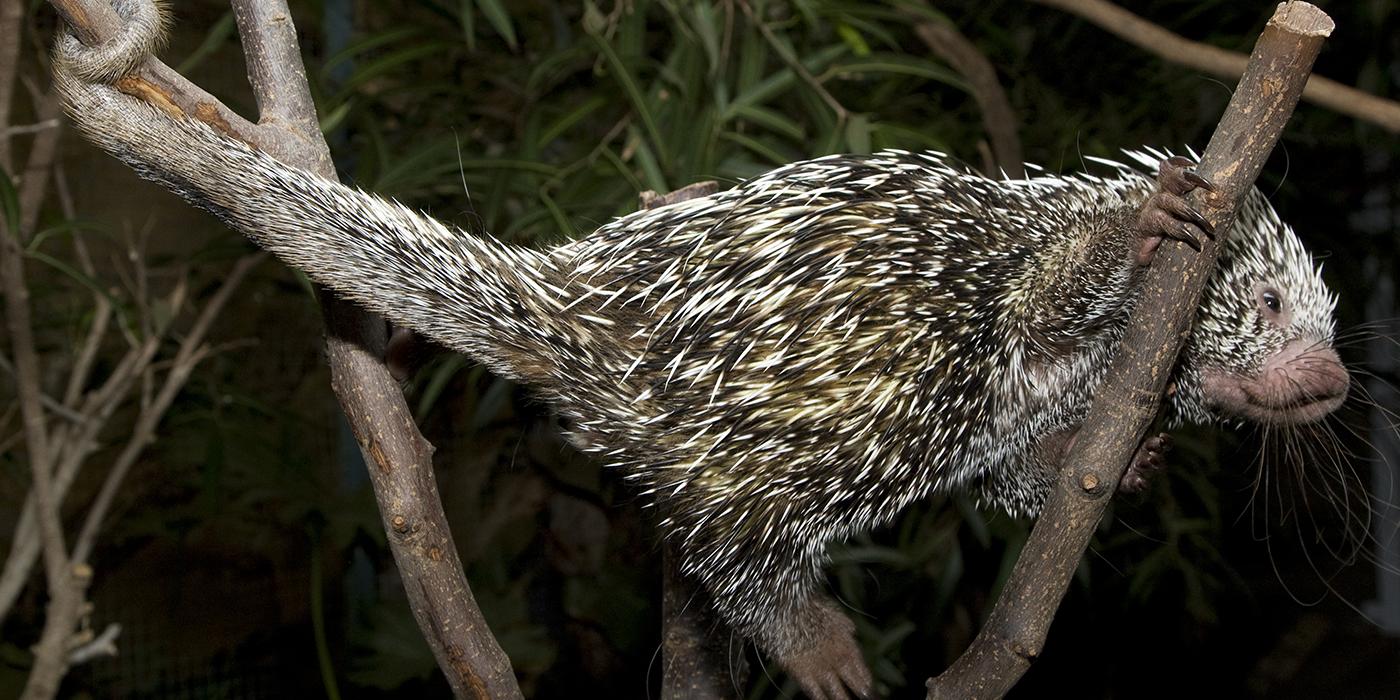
{"x":796,"y":65}
{"x":1225,"y":64}
{"x":49,"y":402}
{"x":102,"y":646}
{"x":191,"y":352}
{"x":33,"y":185}
{"x":23,"y":129}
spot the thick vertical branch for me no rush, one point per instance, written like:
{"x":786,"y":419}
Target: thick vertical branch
{"x":398,"y":456}
{"x":11,"y":17}
{"x":1129,"y":397}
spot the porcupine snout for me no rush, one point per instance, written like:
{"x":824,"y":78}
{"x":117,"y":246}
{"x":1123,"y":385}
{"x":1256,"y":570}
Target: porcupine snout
{"x":1304,"y":376}
{"x":1301,"y":383}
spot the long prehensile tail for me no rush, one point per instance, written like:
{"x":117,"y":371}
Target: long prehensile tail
{"x":502,"y":305}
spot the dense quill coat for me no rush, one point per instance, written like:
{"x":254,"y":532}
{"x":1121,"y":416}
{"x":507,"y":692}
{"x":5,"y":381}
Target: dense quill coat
{"x":775,"y":366}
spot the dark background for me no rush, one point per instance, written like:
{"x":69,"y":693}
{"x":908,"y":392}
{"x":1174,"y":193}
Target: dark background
{"x":248,"y":523}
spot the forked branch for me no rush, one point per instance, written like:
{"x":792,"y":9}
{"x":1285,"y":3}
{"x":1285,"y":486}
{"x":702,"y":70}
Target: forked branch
{"x":398,"y":456}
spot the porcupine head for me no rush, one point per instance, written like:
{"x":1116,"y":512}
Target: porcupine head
{"x":1260,"y":350}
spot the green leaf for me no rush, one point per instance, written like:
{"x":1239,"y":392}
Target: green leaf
{"x":706,"y":28}
{"x":858,"y":134}
{"x":651,"y":170}
{"x":616,"y":161}
{"x":898,"y":65}
{"x":782,"y":80}
{"x":500,"y":20}
{"x":493,"y":401}
{"x":437,"y":382}
{"x":65,"y":228}
{"x":566,"y":122}
{"x":771,"y":120}
{"x":640,"y":105}
{"x":77,"y":275}
{"x":367,"y":44}
{"x":853,"y":39}
{"x":467,"y":12}
{"x":336,"y":116}
{"x":561,"y":219}
{"x":391,"y":63}
{"x":759,"y":148}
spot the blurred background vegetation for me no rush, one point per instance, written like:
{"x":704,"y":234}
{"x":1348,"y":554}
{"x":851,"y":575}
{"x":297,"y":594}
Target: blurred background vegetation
{"x":244,"y":557}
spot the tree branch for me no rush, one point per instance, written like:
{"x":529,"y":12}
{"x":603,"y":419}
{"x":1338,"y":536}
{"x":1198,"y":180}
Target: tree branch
{"x":192,"y":351}
{"x":945,"y":41}
{"x":75,"y":443}
{"x":1125,"y":404}
{"x":398,"y":456}
{"x":1225,"y":64}
{"x":66,"y":587}
{"x":11,"y":17}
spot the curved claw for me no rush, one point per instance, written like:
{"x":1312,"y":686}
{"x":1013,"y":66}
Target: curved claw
{"x":1185,"y":235}
{"x":1176,"y":175}
{"x":1197,"y":180}
{"x":1181,"y":209}
{"x":1201,"y":222}
{"x":1167,"y":214}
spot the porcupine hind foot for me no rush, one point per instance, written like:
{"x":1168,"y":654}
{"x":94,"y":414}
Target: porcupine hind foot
{"x":1167,"y":214}
{"x":1150,"y":458}
{"x":829,"y":666}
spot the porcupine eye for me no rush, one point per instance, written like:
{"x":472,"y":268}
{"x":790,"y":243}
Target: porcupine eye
{"x":1271,"y":305}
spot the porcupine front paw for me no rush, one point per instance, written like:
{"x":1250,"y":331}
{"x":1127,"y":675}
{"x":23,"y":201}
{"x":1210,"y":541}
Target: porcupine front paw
{"x":1150,"y":458}
{"x":1167,"y":214}
{"x":828,"y":665}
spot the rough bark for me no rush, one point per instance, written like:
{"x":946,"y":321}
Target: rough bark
{"x":1125,"y":405}
{"x":398,"y":456}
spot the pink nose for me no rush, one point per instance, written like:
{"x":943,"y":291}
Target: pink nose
{"x":1317,"y":370}
{"x":1305,"y":379}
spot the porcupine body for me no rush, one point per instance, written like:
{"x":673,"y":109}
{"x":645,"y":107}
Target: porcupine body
{"x":779,"y":365}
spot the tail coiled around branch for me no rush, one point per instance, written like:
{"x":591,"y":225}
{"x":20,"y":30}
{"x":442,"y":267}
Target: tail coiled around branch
{"x":501,"y":305}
